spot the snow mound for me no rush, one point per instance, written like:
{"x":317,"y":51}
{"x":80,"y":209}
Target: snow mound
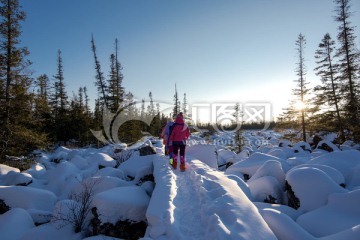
{"x":122,"y":203}
{"x":254,"y":162}
{"x":4,"y":169}
{"x":102,"y":159}
{"x":312,"y":187}
{"x":341,"y":213}
{"x":205,"y":153}
{"x":28,"y":198}
{"x":15,"y":178}
{"x":344,"y":161}
{"x":15,"y":217}
{"x":137,"y":167}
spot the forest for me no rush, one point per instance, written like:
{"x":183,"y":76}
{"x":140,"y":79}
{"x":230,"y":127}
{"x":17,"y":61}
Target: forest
{"x":47,"y":116}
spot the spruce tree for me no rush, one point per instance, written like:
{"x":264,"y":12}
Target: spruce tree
{"x":18,"y":128}
{"x":176,"y":108}
{"x":42,"y":109}
{"x":60,"y":104}
{"x":301,"y":90}
{"x":328,"y":93}
{"x":349,"y":57}
{"x":238,"y":137}
{"x":115,"y":89}
{"x":184,"y":105}
{"x":60,"y":96}
{"x":100,"y":81}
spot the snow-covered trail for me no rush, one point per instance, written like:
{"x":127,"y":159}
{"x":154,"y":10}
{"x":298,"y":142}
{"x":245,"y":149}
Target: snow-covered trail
{"x":200,"y":204}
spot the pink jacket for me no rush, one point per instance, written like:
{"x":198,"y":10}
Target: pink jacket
{"x":180,"y":131}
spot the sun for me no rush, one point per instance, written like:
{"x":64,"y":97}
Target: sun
{"x":300,"y":105}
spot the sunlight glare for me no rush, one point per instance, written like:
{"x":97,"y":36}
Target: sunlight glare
{"x":299,"y":105}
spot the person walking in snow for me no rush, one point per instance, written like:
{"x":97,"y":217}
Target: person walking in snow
{"x":166,"y":135}
{"x":179,"y":134}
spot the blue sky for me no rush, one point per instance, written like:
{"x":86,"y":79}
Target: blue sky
{"x":216,"y":51}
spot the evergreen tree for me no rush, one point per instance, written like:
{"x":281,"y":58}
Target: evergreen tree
{"x":119,"y":76}
{"x":18,"y":129}
{"x":349,"y":68}
{"x":238,"y":137}
{"x":60,"y":104}
{"x":142,"y":110}
{"x":301,"y":91}
{"x":60,"y":96}
{"x":184,"y":105}
{"x":328,"y":93}
{"x":100,"y":81}
{"x":176,"y":108}
{"x":86,"y":101}
{"x":151,"y":107}
{"x":42,"y":109}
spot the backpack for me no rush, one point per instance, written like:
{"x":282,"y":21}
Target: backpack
{"x":171,"y":128}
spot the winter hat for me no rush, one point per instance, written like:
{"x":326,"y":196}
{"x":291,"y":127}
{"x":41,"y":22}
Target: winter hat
{"x":180,"y":115}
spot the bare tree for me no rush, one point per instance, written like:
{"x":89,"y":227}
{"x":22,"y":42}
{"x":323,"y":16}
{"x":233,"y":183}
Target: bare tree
{"x":79,"y":207}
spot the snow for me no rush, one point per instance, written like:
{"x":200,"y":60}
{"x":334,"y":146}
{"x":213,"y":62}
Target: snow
{"x":122,"y":203}
{"x":204,"y":202}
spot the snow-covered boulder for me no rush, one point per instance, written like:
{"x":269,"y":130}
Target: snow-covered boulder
{"x":311,"y":187}
{"x":342,"y":212}
{"x":302,"y":146}
{"x":5,"y":169}
{"x":138,"y":167}
{"x":36,"y":170}
{"x":345,"y":162}
{"x":250,"y":165}
{"x":225,"y":156}
{"x":330,"y":171}
{"x":266,"y":189}
{"x":15,"y":223}
{"x":112,"y":172}
{"x":102,"y":159}
{"x":285,"y":143}
{"x":16,"y":178}
{"x":270,"y":168}
{"x":27,"y":198}
{"x":278,"y":152}
{"x":327,"y":146}
{"x":283,"y":226}
{"x":205,"y":153}
{"x":61,"y":153}
{"x":122,"y":203}
{"x":62,"y":178}
{"x":98,"y":184}
{"x":80,"y":162}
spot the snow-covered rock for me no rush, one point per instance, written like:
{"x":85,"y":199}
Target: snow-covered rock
{"x":342,"y":212}
{"x":102,"y":159}
{"x":16,"y":178}
{"x":122,"y":203}
{"x":4,"y":169}
{"x":312,"y":187}
{"x":254,"y":162}
{"x":28,"y":198}
{"x":15,"y":217}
